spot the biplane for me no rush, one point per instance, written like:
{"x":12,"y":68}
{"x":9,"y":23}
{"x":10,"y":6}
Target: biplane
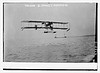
{"x":47,"y":25}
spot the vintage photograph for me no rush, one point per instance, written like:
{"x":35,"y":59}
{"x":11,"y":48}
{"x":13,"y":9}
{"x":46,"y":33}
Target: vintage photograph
{"x":50,"y":32}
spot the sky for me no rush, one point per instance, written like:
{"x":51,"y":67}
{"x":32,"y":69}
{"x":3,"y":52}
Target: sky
{"x":81,"y":17}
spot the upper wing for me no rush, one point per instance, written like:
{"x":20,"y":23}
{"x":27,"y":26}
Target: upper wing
{"x":32,"y":21}
{"x":60,"y":22}
{"x":45,"y":22}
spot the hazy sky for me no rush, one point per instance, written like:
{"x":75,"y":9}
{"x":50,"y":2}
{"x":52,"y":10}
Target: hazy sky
{"x":80,"y":15}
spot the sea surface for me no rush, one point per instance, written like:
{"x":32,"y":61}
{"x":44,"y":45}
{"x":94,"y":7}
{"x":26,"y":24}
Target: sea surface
{"x":73,"y":49}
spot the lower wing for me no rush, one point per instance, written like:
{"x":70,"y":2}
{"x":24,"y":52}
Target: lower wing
{"x":43,"y":28}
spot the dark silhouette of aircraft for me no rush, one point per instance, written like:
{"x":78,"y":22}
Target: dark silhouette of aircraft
{"x":47,"y":25}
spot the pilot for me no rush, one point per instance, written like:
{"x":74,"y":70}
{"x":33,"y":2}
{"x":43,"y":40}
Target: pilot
{"x":36,"y":27}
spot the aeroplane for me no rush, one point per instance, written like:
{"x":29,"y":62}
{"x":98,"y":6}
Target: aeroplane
{"x":47,"y":25}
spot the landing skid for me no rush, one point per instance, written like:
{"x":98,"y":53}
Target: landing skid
{"x":61,"y":37}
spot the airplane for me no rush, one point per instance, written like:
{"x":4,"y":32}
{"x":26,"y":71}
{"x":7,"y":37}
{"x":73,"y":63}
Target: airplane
{"x":47,"y":25}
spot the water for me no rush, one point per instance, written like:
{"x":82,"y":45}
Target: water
{"x":71,"y":49}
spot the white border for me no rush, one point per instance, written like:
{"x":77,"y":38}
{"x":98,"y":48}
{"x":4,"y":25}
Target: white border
{"x":44,"y":65}
{"x":50,"y":65}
